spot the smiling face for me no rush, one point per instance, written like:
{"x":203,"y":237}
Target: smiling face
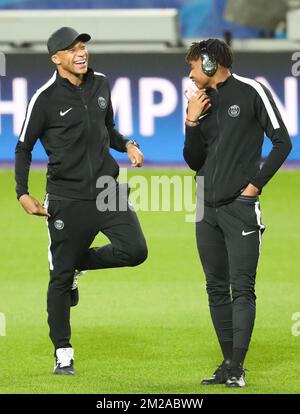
{"x":72,"y":61}
{"x":197,"y":75}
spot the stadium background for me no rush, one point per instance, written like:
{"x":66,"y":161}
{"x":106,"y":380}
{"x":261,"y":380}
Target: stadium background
{"x":147,"y":330}
{"x":164,"y":143}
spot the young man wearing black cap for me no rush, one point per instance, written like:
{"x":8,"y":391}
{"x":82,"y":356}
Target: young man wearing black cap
{"x":225,"y":127}
{"x":72,"y":115}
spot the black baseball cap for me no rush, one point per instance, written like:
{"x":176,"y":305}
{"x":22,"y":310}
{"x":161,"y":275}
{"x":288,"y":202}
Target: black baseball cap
{"x":63,"y":38}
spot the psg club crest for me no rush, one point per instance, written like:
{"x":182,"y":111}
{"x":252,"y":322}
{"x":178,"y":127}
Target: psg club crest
{"x":234,"y":111}
{"x":59,"y":224}
{"x":102,"y":102}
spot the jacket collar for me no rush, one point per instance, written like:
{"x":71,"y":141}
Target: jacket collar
{"x":226,"y":81}
{"x":220,"y":85}
{"x":88,"y":77}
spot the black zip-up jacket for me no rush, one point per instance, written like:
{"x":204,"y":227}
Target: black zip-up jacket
{"x":76,"y":127}
{"x":226,"y":146}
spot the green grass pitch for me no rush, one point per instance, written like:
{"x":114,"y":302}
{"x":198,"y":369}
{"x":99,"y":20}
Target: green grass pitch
{"x":147,"y":329}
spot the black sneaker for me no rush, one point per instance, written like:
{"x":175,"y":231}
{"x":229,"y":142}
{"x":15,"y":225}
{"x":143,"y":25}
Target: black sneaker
{"x":64,"y":361}
{"x":220,"y":376}
{"x":236,"y":378}
{"x":74,"y":289}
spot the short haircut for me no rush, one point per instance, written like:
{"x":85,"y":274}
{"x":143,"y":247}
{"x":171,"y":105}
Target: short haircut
{"x":216,"y":48}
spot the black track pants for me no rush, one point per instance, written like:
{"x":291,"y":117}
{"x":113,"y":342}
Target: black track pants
{"x":73,"y":225}
{"x":228,"y":241}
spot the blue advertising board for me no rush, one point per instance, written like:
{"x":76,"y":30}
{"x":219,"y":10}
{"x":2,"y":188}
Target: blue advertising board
{"x":147,"y":93}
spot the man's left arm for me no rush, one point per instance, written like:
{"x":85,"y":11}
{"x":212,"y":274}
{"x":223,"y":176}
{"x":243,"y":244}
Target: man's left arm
{"x":270,"y":119}
{"x":119,"y":142}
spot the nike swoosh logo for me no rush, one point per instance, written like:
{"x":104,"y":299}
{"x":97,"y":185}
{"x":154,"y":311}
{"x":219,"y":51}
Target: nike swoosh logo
{"x":244,"y":233}
{"x":64,"y":113}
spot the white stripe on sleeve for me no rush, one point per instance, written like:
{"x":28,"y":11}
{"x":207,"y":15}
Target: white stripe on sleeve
{"x":260,"y":90}
{"x":32,"y":102}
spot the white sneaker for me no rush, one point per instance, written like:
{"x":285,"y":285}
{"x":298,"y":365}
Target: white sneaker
{"x":77,"y":274}
{"x":64,"y":361}
{"x":236,"y":378}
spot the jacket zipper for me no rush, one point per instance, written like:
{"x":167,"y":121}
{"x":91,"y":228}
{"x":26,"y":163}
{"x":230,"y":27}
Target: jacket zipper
{"x":81,"y":93}
{"x":216,"y":151}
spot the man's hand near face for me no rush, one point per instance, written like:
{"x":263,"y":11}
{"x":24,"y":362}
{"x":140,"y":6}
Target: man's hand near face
{"x":198,"y":105}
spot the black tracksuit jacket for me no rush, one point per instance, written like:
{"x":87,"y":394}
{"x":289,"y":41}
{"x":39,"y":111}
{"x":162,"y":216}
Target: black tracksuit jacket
{"x":76,"y":127}
{"x":226,"y":146}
